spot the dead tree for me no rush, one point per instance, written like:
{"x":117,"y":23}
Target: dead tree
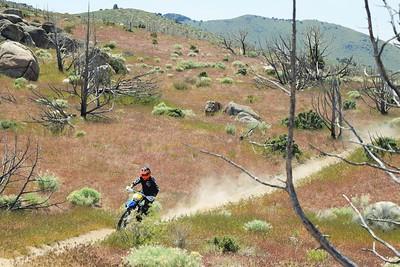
{"x":377,"y":91}
{"x":228,"y":44}
{"x":18,"y":178}
{"x":379,"y":47}
{"x":241,"y":38}
{"x":329,"y":106}
{"x":316,"y":50}
{"x":288,"y":184}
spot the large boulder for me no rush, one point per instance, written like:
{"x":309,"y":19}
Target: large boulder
{"x":39,"y":36}
{"x":49,"y":27}
{"x":11,"y":31}
{"x":27,"y":40}
{"x":212,"y":107}
{"x":10,"y":17}
{"x":16,"y":60}
{"x":243,"y":113}
{"x":13,"y":11}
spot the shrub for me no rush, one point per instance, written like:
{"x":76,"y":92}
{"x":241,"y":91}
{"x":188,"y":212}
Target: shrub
{"x":168,"y":66}
{"x":238,"y":64}
{"x":230,"y":129}
{"x":384,"y":210}
{"x":227,"y":80}
{"x":354,"y":94}
{"x":252,"y":54}
{"x":180,"y":85}
{"x":20,"y":83}
{"x":163,"y":109}
{"x":140,"y":59}
{"x":225,"y":244}
{"x":48,"y":182}
{"x":117,"y":62}
{"x":334,"y":213}
{"x":203,"y":82}
{"x":84,"y":197}
{"x":349,"y":104}
{"x":279,"y":144}
{"x":43,"y":55}
{"x":178,"y":47}
{"x":307,"y":121}
{"x":382,"y":142}
{"x":8,"y":201}
{"x":257,"y":226}
{"x":154,"y":256}
{"x":69,"y":28}
{"x":192,"y":54}
{"x":111,"y":45}
{"x":203,"y":74}
{"x":226,"y":59}
{"x":219,"y":65}
{"x":261,"y":126}
{"x":242,"y":71}
{"x":194,"y":49}
{"x":317,"y":255}
{"x":80,"y":134}
{"x":157,"y":60}
{"x":34,"y":199}
{"x":8,"y":125}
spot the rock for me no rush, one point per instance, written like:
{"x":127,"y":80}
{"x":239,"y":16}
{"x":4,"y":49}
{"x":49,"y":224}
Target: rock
{"x":13,"y":11}
{"x":16,"y":60}
{"x":11,"y":31}
{"x":39,"y":36}
{"x":10,"y":17}
{"x":27,"y":40}
{"x":212,"y":107}
{"x":49,"y":27}
{"x":66,"y":42}
{"x":243,"y":113}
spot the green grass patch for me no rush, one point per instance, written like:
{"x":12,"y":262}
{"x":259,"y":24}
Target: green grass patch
{"x":30,"y":229}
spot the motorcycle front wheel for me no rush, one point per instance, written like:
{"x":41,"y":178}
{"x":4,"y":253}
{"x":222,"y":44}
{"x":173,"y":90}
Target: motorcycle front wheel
{"x":123,"y":221}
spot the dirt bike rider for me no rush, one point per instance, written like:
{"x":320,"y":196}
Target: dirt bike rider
{"x":149,"y":188}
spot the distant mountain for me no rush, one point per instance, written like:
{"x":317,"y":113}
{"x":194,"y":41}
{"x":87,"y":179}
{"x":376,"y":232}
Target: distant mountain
{"x":343,"y":42}
{"x":176,"y":17}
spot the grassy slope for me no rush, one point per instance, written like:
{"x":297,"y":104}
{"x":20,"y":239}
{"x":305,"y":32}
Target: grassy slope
{"x":343,"y":42}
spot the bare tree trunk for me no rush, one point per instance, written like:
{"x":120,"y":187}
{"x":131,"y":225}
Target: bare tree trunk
{"x":343,"y":260}
{"x":58,"y":51}
{"x":85,"y":85}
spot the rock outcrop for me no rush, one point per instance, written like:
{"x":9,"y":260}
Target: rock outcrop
{"x":16,"y":60}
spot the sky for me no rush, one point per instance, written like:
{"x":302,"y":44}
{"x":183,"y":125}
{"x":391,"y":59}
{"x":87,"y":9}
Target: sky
{"x":349,"y":13}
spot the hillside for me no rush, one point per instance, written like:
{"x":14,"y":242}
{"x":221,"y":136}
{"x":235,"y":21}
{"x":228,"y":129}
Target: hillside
{"x":344,"y":42}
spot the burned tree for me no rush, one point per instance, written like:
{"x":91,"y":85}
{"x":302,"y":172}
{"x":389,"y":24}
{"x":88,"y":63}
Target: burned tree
{"x":316,"y":50}
{"x":228,"y":44}
{"x":241,"y":38}
{"x":20,"y":186}
{"x":377,"y":91}
{"x":329,"y":106}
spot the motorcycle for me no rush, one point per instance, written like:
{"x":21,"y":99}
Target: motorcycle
{"x":133,"y":205}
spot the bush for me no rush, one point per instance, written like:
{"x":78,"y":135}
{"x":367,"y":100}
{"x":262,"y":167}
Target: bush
{"x":257,"y":226}
{"x":157,"y":60}
{"x":34,"y":199}
{"x":140,"y":59}
{"x":69,"y":28}
{"x":194,"y":49}
{"x":230,"y":129}
{"x":317,"y":255}
{"x":227,"y":80}
{"x":192,"y":54}
{"x":242,"y":71}
{"x":226,"y":59}
{"x":180,"y":85}
{"x":80,"y":134}
{"x":20,"y":83}
{"x":334,"y":213}
{"x":219,"y":65}
{"x":225,"y":244}
{"x":203,"y":82}
{"x":382,"y":142}
{"x":111,"y":45}
{"x":84,"y":197}
{"x":349,"y":104}
{"x":117,"y":62}
{"x":8,"y":125}
{"x":307,"y":121}
{"x":252,"y":54}
{"x":168,"y":66}
{"x":43,"y":55}
{"x":7,"y":201}
{"x":384,"y":210}
{"x":178,"y":47}
{"x":163,"y":109}
{"x":154,"y":256}
{"x":203,"y":74}
{"x":238,"y":64}
{"x":48,"y":182}
{"x":279,"y":144}
{"x":354,"y":94}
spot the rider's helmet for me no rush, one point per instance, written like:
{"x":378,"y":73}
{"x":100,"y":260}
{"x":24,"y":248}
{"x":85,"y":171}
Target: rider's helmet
{"x":145,"y":173}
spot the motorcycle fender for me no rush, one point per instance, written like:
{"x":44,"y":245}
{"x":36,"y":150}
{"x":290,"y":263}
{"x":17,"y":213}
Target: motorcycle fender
{"x":130,"y":204}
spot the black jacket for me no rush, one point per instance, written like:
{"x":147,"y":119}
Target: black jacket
{"x":149,"y":187}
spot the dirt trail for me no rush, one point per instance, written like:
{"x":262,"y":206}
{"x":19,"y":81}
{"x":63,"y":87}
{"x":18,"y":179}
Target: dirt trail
{"x":211,"y":194}
{"x":85,"y":239}
{"x":216,"y":191}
